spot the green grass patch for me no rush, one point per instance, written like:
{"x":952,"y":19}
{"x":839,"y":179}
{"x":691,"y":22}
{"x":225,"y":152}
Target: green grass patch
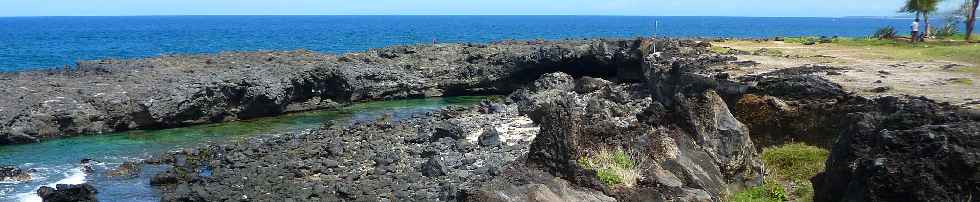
{"x":613,"y":167}
{"x":788,"y":164}
{"x":963,"y":81}
{"x":770,"y":191}
{"x":806,"y":40}
{"x":951,"y":50}
{"x":795,"y":161}
{"x":719,"y":50}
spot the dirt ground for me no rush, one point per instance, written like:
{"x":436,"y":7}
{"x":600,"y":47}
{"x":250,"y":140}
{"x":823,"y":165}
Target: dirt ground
{"x":864,"y":71}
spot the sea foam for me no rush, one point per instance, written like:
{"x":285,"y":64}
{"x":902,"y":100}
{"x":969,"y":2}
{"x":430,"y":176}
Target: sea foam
{"x":73,"y":176}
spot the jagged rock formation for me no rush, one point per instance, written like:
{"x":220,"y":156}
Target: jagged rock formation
{"x":693,"y":150}
{"x":172,"y":91}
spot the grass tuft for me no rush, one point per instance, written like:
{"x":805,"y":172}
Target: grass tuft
{"x":613,"y":167}
{"x":770,"y":191}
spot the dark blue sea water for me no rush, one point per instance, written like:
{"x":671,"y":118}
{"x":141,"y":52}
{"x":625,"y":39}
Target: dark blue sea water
{"x":45,"y":42}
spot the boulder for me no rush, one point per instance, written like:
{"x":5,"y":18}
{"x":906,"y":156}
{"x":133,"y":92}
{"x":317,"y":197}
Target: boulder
{"x":68,"y":193}
{"x":903,"y":149}
{"x":127,"y":169}
{"x":490,"y":137}
{"x":448,"y":129}
{"x":433,"y":167}
{"x":724,"y":138}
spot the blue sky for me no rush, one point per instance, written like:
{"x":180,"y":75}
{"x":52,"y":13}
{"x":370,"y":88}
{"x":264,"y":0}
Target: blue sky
{"x":787,"y":8}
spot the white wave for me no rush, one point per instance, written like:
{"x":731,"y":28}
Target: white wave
{"x":73,"y":176}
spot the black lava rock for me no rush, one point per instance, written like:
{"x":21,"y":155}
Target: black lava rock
{"x":448,"y":130}
{"x":433,"y":168}
{"x":68,"y":193}
{"x":490,"y":137}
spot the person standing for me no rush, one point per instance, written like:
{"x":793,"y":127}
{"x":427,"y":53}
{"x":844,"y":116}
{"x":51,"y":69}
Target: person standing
{"x":915,"y":30}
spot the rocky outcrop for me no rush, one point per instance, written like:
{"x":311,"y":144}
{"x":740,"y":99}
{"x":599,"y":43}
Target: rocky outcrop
{"x":11,"y":173}
{"x":903,"y":149}
{"x":179,"y":90}
{"x":68,"y":193}
{"x":694,"y":150}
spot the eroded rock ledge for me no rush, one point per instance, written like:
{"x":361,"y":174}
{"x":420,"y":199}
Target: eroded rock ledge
{"x":173,"y":91}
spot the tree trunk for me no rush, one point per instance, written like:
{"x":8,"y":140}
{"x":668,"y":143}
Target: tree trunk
{"x":972,"y":21}
{"x":915,"y":37}
{"x":925,"y":17}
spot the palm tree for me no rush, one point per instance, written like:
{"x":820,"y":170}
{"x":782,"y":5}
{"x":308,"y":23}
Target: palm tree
{"x":923,"y":8}
{"x":971,"y":21}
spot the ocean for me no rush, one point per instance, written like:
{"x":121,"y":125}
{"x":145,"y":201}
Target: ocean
{"x":53,"y":42}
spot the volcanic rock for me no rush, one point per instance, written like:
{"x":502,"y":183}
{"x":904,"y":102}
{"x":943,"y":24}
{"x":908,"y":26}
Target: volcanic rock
{"x":179,"y":90}
{"x":68,"y":193}
{"x":903,"y":149}
{"x":14,"y":174}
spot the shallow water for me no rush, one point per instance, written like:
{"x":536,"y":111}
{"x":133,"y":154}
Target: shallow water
{"x":57,"y":161}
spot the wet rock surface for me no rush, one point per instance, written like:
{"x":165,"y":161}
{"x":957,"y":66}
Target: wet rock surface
{"x":68,"y":193}
{"x":12,"y":173}
{"x":126,"y":170}
{"x":180,"y":90}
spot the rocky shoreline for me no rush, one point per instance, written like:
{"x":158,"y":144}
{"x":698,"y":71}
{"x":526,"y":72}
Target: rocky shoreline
{"x":632,"y":120}
{"x":180,"y":90}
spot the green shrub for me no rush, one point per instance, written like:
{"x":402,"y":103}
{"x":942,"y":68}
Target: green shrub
{"x":609,"y":177}
{"x":885,"y":33}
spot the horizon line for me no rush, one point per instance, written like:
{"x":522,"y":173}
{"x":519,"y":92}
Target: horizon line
{"x":584,"y":15}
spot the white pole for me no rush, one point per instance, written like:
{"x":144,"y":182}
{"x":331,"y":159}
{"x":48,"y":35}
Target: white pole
{"x":656,"y":26}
